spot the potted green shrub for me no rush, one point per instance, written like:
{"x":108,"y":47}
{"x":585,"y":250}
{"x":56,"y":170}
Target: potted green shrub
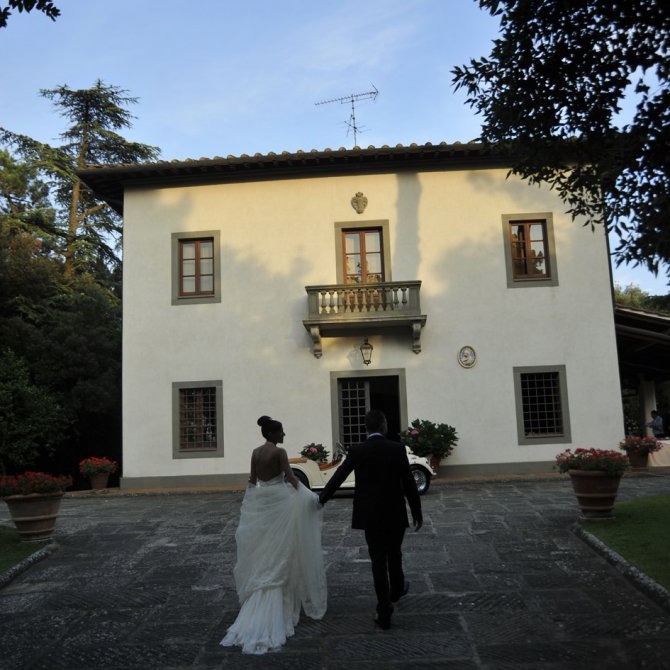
{"x":430,"y":440}
{"x":595,"y":475}
{"x":33,"y":499}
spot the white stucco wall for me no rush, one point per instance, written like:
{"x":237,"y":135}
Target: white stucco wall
{"x":278,"y":237}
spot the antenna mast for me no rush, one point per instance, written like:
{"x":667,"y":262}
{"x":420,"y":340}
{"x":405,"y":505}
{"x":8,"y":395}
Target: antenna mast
{"x":353,"y":98}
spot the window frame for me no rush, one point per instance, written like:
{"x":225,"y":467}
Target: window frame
{"x":523,"y":439}
{"x":342,"y":226}
{"x":177,"y":451}
{"x":551,"y":279}
{"x":176,"y":267}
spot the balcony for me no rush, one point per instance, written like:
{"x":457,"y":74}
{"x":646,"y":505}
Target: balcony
{"x":344,"y":309}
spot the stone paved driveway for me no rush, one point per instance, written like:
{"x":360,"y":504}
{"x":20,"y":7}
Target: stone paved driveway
{"x":498,"y":581}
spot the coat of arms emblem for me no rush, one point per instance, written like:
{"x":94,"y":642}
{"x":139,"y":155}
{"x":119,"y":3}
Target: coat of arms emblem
{"x":359,"y":202}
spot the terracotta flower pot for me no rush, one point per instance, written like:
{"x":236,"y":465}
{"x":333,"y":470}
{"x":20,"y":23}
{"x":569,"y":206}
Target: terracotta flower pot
{"x":596,"y":491}
{"x":99,"y":480}
{"x":34,"y":515}
{"x":638,"y":459}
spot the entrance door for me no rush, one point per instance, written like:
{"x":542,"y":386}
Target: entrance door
{"x":357,"y":396}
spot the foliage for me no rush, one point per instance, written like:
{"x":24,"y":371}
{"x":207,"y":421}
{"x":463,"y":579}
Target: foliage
{"x":609,"y":461}
{"x":427,"y":439}
{"x":32,"y":482}
{"x":24,"y":202}
{"x":47,"y":7}
{"x":94,"y":465}
{"x":633,"y":296}
{"x":66,"y":331}
{"x":12,"y":549}
{"x":31,"y":421}
{"x":640,"y":532}
{"x":315,"y":452}
{"x":550,"y":94}
{"x":90,"y":229}
{"x":633,"y":444}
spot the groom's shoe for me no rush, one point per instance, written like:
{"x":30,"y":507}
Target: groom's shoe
{"x":383,"y":618}
{"x":395,"y":598}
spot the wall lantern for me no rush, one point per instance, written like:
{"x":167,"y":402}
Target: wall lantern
{"x":366,"y":351}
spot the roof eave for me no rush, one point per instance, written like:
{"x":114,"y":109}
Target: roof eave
{"x":110,"y":181}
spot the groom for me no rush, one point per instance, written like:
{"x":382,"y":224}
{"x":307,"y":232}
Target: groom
{"x":383,"y":481}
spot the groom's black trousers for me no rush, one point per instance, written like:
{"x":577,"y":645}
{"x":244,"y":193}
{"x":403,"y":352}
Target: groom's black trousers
{"x":385,"y":549}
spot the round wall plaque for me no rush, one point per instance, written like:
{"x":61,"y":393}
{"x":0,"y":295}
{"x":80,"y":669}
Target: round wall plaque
{"x":467,"y":357}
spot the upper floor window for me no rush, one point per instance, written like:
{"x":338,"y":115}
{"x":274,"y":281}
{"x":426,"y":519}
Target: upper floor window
{"x":529,"y":250}
{"x":362,"y":250}
{"x":195,"y":267}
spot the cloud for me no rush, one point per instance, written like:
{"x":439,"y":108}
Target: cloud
{"x":356,"y":36}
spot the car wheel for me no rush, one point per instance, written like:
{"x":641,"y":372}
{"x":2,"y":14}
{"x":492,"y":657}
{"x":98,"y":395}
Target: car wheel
{"x":421,"y":478}
{"x":302,"y":478}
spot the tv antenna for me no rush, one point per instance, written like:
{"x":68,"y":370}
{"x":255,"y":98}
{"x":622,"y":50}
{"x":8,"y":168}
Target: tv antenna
{"x":353,"y":98}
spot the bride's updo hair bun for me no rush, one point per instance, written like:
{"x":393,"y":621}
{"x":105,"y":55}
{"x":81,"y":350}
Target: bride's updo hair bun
{"x":268,"y":426}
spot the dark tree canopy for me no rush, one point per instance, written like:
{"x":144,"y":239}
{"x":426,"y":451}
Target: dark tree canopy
{"x":60,"y":306}
{"x":550,"y":92}
{"x":45,"y":6}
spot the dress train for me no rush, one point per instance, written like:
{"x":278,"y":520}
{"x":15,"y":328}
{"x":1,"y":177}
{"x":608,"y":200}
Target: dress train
{"x":279,"y":567}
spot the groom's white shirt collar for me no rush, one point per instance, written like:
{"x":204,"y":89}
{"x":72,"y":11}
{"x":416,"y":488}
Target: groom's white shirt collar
{"x":375,"y":435}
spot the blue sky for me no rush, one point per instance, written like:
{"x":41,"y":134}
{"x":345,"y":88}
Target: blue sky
{"x":222,"y":77}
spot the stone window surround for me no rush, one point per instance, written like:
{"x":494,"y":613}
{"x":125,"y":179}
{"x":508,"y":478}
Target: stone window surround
{"x":177,"y":452}
{"x":175,"y":273}
{"x":340,"y":226}
{"x":565,"y":438}
{"x":552,"y":279}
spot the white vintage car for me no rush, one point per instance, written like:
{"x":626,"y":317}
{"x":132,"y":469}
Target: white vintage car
{"x":316,"y":475}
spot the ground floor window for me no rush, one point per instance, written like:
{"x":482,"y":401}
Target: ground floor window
{"x":197,"y":419}
{"x":542,"y":404}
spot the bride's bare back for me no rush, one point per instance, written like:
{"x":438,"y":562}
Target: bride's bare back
{"x":269,"y":461}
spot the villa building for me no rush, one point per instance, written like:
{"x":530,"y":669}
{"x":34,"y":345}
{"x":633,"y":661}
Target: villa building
{"x":252,"y":282}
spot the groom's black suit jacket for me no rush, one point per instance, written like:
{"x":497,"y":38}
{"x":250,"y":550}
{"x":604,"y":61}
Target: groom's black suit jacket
{"x":383,"y":481}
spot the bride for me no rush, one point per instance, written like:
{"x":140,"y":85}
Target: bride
{"x":279,"y":559}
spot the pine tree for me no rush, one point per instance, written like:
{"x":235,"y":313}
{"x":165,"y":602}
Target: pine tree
{"x":91,"y":229}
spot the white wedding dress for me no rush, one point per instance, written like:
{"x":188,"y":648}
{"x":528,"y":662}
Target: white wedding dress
{"x":279,"y":565}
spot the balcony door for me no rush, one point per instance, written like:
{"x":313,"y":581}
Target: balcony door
{"x":363,"y":256}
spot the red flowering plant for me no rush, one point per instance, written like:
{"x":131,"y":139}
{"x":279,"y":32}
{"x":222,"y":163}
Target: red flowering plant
{"x":94,"y":466}
{"x":315,"y":452}
{"x":31,"y":483}
{"x":633,"y":444}
{"x":612,"y":462}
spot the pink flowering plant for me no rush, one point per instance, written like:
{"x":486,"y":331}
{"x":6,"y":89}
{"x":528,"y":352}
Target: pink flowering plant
{"x":315,"y":452}
{"x":633,"y":444}
{"x":32,"y":483}
{"x":612,"y":462}
{"x":94,"y":466}
{"x":427,"y":439}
